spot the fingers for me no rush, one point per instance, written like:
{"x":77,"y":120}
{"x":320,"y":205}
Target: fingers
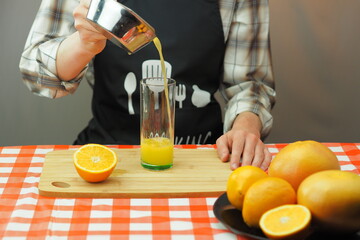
{"x":267,"y":159}
{"x":90,"y":38}
{"x":81,"y":10}
{"x":259,"y":154}
{"x":79,"y":14}
{"x":249,"y":150}
{"x":256,"y":154}
{"x":237,"y":151}
{"x":85,"y":3}
{"x":222,"y":148}
{"x":243,"y":149}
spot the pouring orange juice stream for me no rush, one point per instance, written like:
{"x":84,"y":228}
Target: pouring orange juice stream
{"x":159,"y":150}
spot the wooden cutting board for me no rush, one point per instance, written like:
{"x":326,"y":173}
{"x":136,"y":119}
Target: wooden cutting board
{"x":196,"y":173}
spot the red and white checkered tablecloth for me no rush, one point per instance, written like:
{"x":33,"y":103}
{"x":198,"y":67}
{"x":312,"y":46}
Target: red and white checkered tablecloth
{"x":24,"y":214}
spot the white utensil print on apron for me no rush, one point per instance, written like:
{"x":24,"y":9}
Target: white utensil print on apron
{"x":130,"y":86}
{"x":200,"y":98}
{"x":156,"y":86}
{"x":180,"y":94}
{"x":152,"y":68}
{"x":199,"y":140}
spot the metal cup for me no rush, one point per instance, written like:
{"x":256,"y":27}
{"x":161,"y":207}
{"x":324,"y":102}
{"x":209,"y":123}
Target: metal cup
{"x":120,"y":25}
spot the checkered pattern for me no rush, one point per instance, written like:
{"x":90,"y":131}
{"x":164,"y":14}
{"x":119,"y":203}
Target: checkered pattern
{"x":24,"y":214}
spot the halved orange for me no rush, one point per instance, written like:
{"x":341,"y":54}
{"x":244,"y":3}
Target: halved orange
{"x":95,"y":162}
{"x":290,"y":221}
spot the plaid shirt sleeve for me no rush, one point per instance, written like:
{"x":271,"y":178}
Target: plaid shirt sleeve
{"x":53,"y":23}
{"x":248,"y":83}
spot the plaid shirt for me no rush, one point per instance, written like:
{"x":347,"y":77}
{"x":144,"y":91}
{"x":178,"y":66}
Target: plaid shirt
{"x":247,"y":83}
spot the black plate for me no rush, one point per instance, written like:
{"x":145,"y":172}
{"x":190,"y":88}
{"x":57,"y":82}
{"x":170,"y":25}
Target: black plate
{"x":232,"y":219}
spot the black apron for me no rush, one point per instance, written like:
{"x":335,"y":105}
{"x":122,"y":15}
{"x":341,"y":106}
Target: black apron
{"x":193,"y":45}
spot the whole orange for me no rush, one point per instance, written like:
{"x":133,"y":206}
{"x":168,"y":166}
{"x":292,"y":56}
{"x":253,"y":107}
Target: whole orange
{"x":239,"y":182}
{"x":300,"y":159}
{"x":263,"y":195}
{"x":333,"y":197}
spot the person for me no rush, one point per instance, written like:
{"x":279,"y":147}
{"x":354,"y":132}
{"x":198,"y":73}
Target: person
{"x":209,"y":46}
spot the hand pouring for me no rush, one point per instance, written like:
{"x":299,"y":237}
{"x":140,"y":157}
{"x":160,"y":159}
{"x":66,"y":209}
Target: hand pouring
{"x":120,"y":25}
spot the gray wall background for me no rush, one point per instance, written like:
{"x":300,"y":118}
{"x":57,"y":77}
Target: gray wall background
{"x":316,"y":60}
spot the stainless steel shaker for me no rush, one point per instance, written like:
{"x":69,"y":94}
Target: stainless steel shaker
{"x":120,"y":25}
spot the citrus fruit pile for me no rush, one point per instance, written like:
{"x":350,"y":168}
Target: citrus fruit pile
{"x":304,"y":188}
{"x":95,"y":162}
